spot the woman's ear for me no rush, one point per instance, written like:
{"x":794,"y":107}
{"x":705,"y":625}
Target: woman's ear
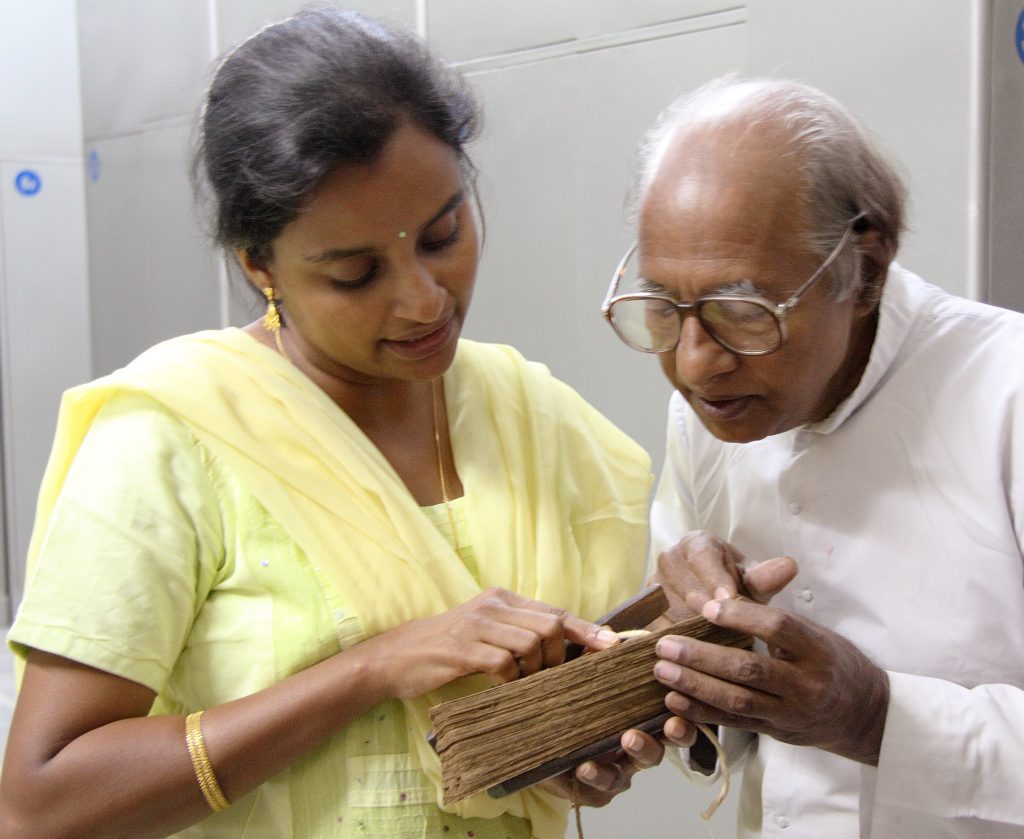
{"x":256,"y":272}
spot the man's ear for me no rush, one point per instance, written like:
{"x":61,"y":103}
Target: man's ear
{"x":256,"y":272}
{"x":877,"y":252}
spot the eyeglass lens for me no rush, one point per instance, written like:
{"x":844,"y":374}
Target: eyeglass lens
{"x":654,"y":324}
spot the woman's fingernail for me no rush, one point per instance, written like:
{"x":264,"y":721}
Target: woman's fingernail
{"x":607,"y":636}
{"x":711,"y":609}
{"x":586,"y":771}
{"x":722,"y":593}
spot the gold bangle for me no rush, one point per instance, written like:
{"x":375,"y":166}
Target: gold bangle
{"x":201,"y":764}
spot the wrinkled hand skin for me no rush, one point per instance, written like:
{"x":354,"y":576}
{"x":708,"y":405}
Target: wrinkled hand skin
{"x":814,"y":688}
{"x":599,"y":781}
{"x":703,"y":567}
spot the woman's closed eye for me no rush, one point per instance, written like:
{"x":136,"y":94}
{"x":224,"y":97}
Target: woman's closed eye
{"x":355,"y":272}
{"x":359,"y":270}
{"x":442,"y":234}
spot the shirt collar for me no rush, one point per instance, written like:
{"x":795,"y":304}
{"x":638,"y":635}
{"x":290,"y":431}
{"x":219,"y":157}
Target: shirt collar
{"x":897,"y":311}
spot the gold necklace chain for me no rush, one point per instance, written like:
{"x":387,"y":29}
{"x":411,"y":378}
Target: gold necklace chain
{"x":437,"y":406}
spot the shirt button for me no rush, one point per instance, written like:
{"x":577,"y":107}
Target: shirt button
{"x":782,"y":822}
{"x":795,"y":507}
{"x":806,"y":595}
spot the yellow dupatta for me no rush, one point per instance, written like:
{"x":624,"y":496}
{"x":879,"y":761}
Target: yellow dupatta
{"x":556,"y":497}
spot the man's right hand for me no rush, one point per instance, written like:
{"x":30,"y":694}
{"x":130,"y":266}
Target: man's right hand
{"x":703,"y":567}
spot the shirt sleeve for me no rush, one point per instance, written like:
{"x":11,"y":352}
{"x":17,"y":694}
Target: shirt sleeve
{"x":132,"y":548}
{"x":953,"y":752}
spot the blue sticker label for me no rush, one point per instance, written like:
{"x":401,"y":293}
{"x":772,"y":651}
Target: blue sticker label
{"x":1018,"y":36}
{"x":93,"y":165}
{"x":28,"y":182}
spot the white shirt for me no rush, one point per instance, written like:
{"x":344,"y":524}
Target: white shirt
{"x":905,"y":512}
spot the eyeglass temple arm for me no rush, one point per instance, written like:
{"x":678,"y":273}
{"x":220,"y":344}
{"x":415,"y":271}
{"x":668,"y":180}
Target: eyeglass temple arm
{"x":832,"y":257}
{"x":616,"y":278}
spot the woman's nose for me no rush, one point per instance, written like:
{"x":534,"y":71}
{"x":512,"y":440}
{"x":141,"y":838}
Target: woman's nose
{"x":421,"y":297}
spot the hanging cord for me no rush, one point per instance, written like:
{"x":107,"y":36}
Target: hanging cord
{"x":576,"y":804}
{"x":722,"y":762}
{"x":437,"y":407}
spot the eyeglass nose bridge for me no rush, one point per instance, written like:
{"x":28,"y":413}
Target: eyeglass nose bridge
{"x":696,"y":307}
{"x":685,"y":310}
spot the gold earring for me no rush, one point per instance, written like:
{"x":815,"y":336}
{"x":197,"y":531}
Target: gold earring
{"x":272,"y":320}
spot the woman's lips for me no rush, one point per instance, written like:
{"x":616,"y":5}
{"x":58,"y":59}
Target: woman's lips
{"x":427,"y":345}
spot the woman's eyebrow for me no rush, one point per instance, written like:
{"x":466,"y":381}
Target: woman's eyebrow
{"x":336,"y":254}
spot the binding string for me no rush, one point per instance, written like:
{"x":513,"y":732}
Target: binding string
{"x":576,"y":804}
{"x":723,"y":763}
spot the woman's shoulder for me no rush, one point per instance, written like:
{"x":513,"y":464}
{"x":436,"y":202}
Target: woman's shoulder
{"x":136,"y":434}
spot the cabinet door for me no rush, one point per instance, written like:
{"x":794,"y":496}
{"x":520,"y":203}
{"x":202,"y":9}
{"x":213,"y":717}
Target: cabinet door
{"x":556,"y":160}
{"x":913,"y":82}
{"x":44,"y":323}
{"x":152,"y":274}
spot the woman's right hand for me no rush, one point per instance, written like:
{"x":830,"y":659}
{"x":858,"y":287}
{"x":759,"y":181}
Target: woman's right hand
{"x":79,"y":733}
{"x":498,"y":633}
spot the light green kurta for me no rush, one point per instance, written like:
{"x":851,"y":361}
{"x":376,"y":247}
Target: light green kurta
{"x":158,"y":563}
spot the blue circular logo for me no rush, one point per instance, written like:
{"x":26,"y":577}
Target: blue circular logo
{"x":28,"y":182}
{"x":1018,"y":36}
{"x":93,"y":165}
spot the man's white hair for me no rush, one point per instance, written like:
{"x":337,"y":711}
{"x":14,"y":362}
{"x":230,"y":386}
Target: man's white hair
{"x":844,"y":174}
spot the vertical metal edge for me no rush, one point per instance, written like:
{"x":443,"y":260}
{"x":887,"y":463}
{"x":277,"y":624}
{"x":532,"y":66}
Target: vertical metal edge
{"x":6,"y":482}
{"x":979,"y":283}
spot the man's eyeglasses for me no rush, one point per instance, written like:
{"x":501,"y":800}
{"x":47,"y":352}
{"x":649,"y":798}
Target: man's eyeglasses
{"x":744,"y":324}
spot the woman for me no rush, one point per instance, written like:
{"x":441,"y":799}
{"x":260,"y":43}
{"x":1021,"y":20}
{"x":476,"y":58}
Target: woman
{"x":261,"y":555}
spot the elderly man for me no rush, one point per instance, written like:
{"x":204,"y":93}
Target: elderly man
{"x":832,"y":407}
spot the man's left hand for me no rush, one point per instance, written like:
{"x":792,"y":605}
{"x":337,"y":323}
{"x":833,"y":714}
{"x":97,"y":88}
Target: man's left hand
{"x":814,"y":688}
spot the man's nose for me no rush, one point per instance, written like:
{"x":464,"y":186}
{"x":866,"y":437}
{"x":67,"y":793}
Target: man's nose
{"x":698,"y":357}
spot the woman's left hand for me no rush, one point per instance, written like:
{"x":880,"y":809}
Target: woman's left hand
{"x":598,"y":781}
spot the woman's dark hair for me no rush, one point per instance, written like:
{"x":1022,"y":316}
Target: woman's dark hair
{"x":323,"y":89}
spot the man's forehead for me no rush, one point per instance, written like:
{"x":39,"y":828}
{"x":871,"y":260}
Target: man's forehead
{"x":719,"y":219}
{"x":721,"y":239}
{"x":703,"y":165}
{"x":703,"y":191}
